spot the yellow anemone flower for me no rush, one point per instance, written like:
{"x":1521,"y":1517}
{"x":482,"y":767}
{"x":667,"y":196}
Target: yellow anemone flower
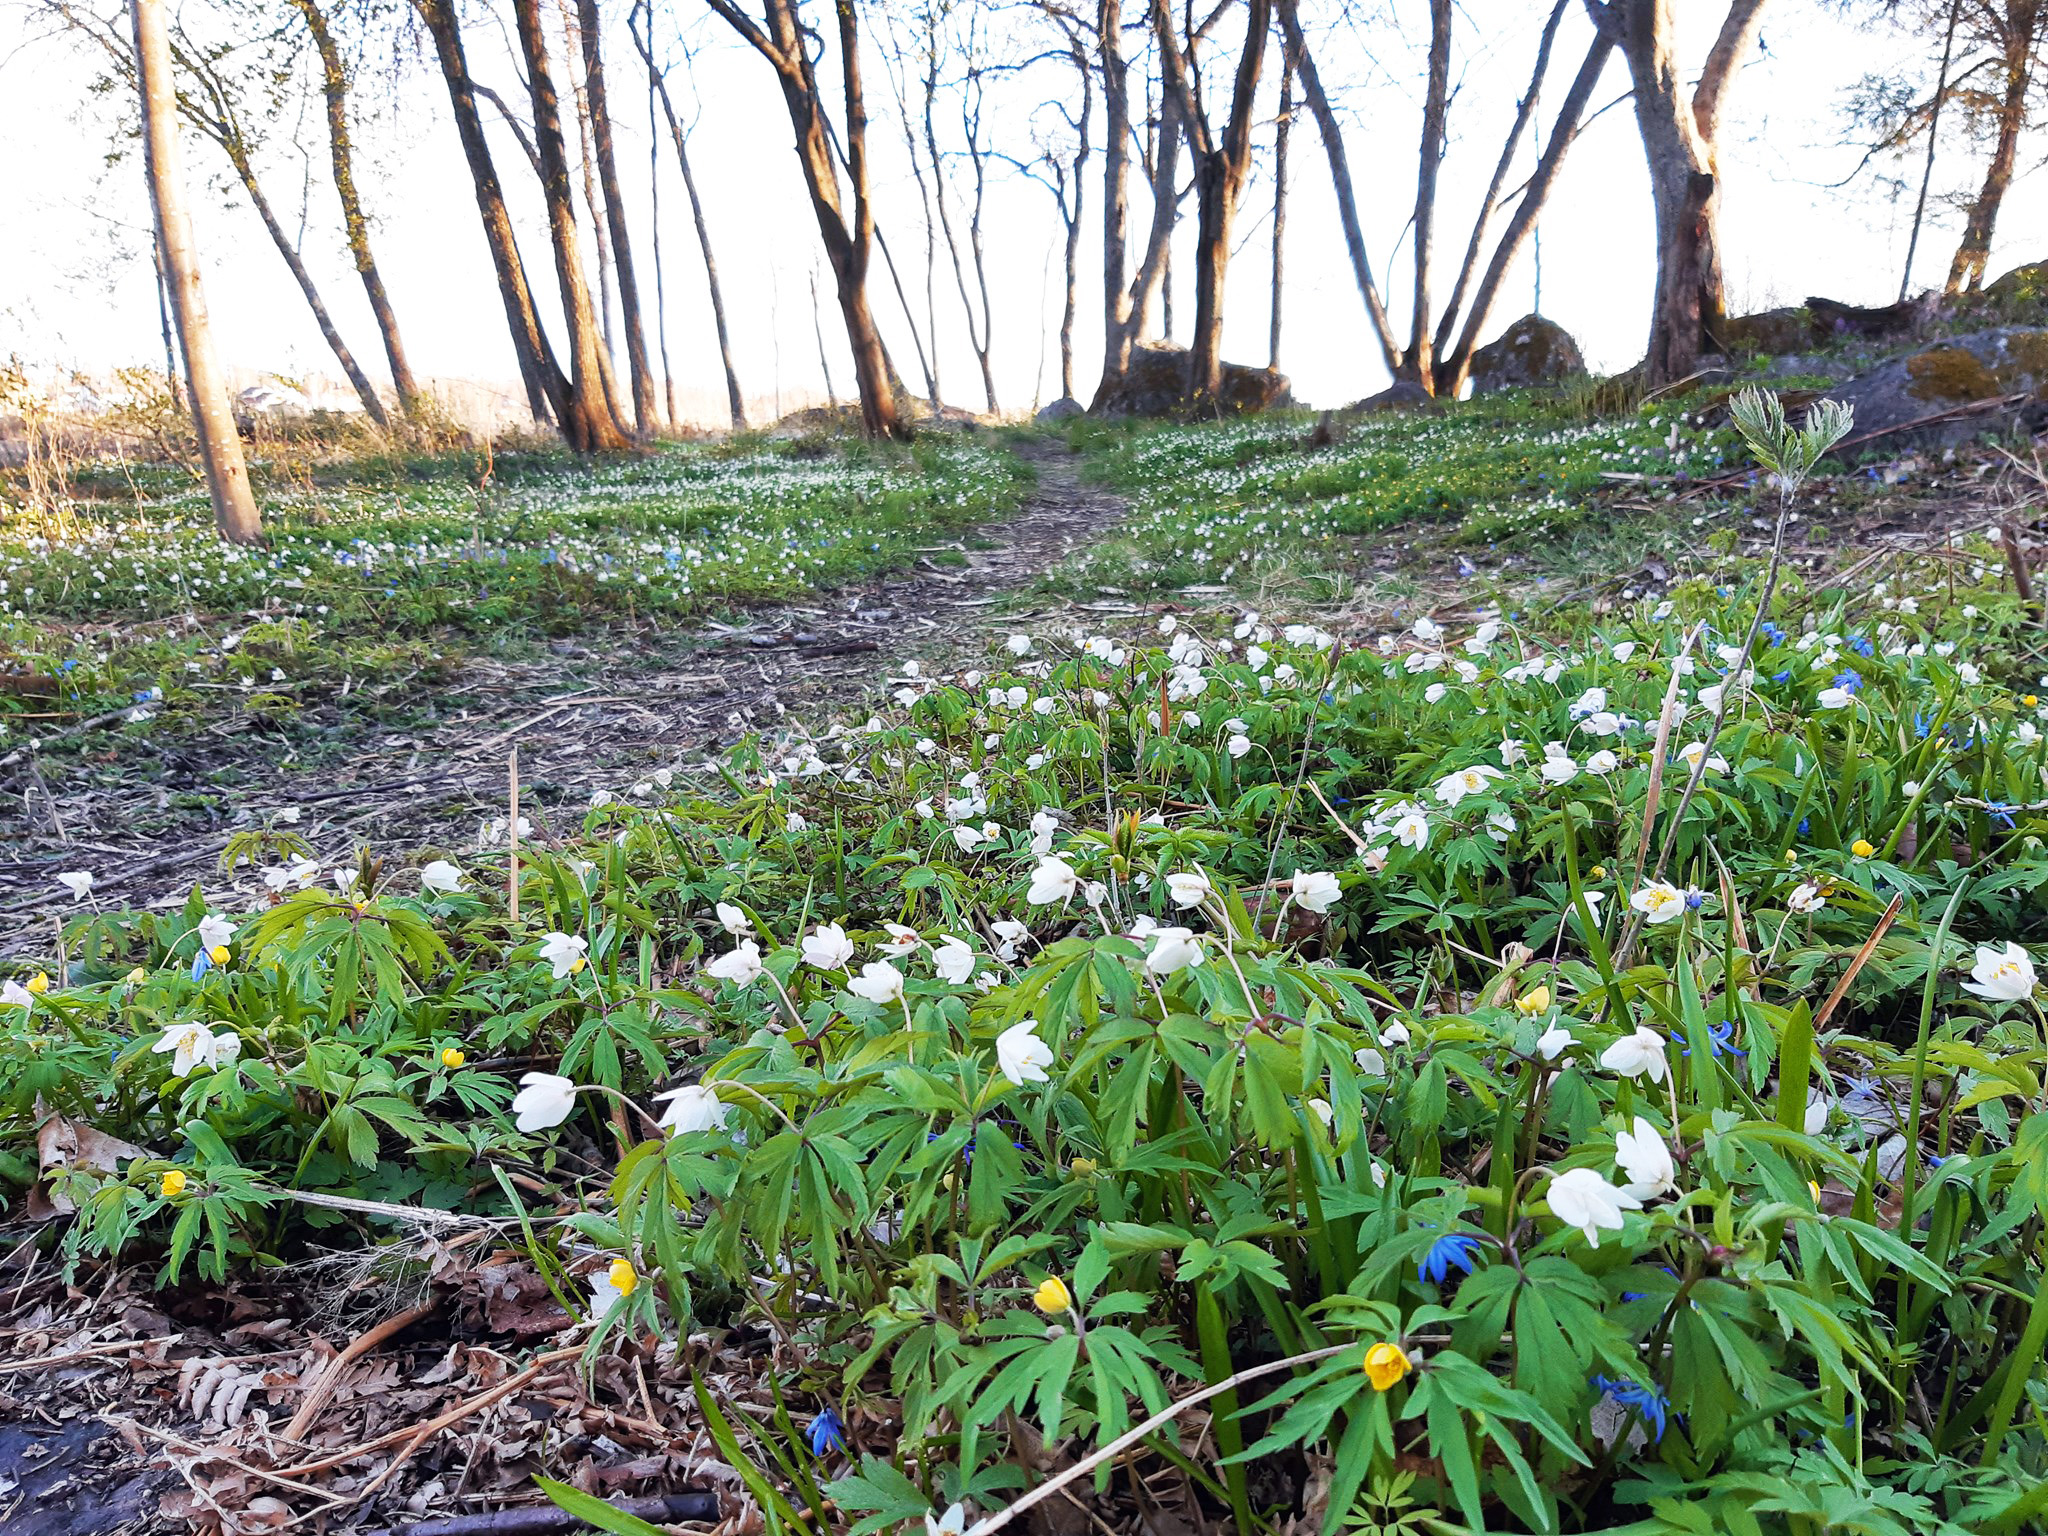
{"x":39,"y":983}
{"x":1385,"y":1364}
{"x":1533,"y":1002}
{"x":623,"y":1276}
{"x":173,"y":1184}
{"x":1052,"y":1297}
{"x":451,"y":1058}
{"x":1081,"y":1167}
{"x":1863,"y":848}
{"x":218,"y":954}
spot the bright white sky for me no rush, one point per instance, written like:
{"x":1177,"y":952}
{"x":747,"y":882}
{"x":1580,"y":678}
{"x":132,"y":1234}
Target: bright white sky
{"x":76,"y":288}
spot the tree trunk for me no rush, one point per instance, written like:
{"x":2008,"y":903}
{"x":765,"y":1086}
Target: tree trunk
{"x":1340,"y":181}
{"x":1417,"y":361}
{"x":1525,"y":110}
{"x":847,"y":241}
{"x":668,"y":374}
{"x":1220,"y":168}
{"x":1966,"y":272}
{"x":585,"y":162}
{"x":334,"y":85}
{"x":1456,"y":366}
{"x":615,"y":215}
{"x":213,"y":418}
{"x":1679,"y":135}
{"x":675,"y":128}
{"x":1948,"y":45}
{"x":587,"y":422}
{"x":1116,"y":192}
{"x":229,"y":140}
{"x":547,"y":391}
{"x":1282,"y":127}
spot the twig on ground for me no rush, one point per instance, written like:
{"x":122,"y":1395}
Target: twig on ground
{"x":1132,"y":1436}
{"x":325,"y":1384}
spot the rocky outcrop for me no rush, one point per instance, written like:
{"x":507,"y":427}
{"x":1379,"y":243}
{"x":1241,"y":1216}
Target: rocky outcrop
{"x":1989,"y":381}
{"x":1401,"y":395}
{"x":1533,"y":352}
{"x":1770,"y":333}
{"x":1156,"y":384}
{"x":1062,"y":409}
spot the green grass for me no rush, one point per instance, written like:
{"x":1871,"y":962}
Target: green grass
{"x":1234,"y":502}
{"x":379,"y":568}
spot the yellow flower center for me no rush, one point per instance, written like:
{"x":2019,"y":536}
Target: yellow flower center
{"x":623,"y":1276}
{"x":1052,"y":1297}
{"x":451,"y":1058}
{"x":173,"y":1183}
{"x":1385,"y":1364}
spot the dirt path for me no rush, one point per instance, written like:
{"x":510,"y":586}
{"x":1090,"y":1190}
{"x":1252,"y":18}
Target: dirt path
{"x":606,"y":708}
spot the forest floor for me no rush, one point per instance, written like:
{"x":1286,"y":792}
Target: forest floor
{"x":360,"y":1389}
{"x":151,"y":814}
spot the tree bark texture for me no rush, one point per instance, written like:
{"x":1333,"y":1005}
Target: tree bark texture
{"x":213,"y":417}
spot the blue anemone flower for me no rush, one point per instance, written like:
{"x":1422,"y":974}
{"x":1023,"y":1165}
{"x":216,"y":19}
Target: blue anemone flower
{"x":1650,"y":1404}
{"x":1720,"y":1040}
{"x":1849,"y":680}
{"x":827,"y":1434}
{"x":201,"y":964}
{"x":1454,"y":1250}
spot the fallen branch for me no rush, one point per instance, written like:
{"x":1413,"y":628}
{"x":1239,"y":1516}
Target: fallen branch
{"x":543,"y":1519}
{"x":420,"y":1433}
{"x":1862,"y":959}
{"x":1131,"y":1437}
{"x":329,"y":1380}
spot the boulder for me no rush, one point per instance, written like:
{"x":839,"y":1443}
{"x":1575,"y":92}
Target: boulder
{"x":1063,"y":409}
{"x":1156,"y":384}
{"x":1401,"y":395}
{"x":2018,"y":297}
{"x":1531,"y":352}
{"x":1890,"y":321}
{"x":1771,"y":333}
{"x":2008,"y":366}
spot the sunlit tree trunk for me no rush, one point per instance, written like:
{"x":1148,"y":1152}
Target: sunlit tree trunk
{"x":334,"y":87}
{"x":1221,"y":163}
{"x":213,"y":418}
{"x":547,"y":390}
{"x":587,"y":422}
{"x":615,"y":216}
{"x":2022,"y":21}
{"x":1680,"y":131}
{"x":848,"y":240}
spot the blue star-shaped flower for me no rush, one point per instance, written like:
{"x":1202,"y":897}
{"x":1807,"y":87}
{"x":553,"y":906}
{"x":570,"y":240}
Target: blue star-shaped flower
{"x":827,"y":1434}
{"x":1454,"y":1250}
